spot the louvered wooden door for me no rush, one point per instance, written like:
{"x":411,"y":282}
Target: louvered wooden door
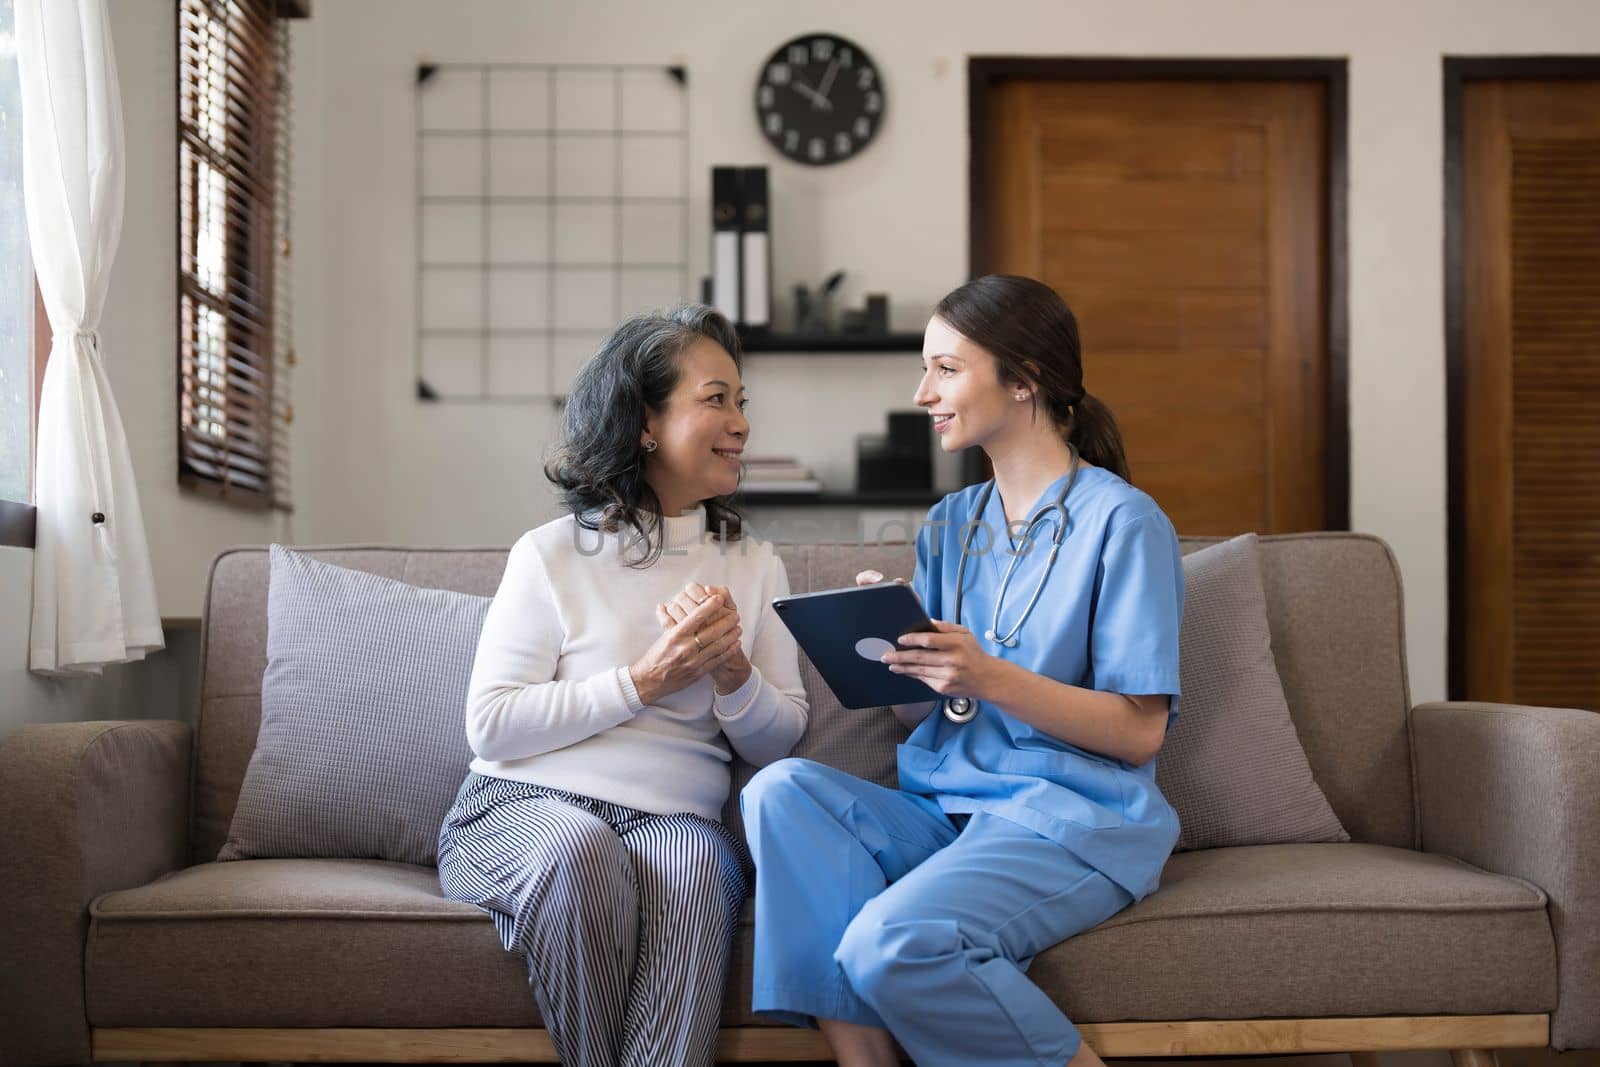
{"x":1183,"y":221}
{"x":1531,"y":383}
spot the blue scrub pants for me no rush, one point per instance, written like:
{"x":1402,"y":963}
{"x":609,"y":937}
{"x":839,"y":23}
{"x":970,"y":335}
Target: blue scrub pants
{"x":873,"y":907}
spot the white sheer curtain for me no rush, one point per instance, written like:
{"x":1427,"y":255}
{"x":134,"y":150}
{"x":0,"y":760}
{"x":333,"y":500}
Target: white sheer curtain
{"x":94,"y":598}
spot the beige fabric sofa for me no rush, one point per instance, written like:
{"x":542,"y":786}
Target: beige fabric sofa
{"x":1463,"y":915}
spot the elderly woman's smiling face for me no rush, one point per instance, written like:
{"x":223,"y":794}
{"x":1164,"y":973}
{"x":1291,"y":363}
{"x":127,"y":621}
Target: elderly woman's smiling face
{"x":700,"y":433}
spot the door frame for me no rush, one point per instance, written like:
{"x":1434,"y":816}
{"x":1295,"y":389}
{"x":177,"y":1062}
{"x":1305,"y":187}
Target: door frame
{"x":1458,"y":71}
{"x":985,"y":72}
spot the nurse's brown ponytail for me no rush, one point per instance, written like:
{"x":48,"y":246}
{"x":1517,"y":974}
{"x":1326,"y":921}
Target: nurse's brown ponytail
{"x":1093,"y":429}
{"x":1033,"y":336}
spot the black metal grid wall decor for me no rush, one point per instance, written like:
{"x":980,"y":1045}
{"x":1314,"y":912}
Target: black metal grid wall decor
{"x":552,"y":202}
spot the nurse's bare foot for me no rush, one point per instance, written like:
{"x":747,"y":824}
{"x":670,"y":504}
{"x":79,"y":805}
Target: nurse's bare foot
{"x":1086,"y":1057}
{"x":855,"y":1045}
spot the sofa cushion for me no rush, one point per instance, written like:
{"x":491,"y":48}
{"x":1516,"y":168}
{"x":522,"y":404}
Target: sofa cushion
{"x":1335,"y":610}
{"x":1311,"y":930}
{"x":1274,"y":930}
{"x":233,"y":657}
{"x":300,"y":942}
{"x":1232,"y":765}
{"x":361,"y":746}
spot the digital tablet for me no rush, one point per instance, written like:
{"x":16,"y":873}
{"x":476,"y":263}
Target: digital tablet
{"x":846,"y":631}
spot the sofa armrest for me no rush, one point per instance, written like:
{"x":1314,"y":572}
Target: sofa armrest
{"x":85,"y":808}
{"x":1516,"y":790}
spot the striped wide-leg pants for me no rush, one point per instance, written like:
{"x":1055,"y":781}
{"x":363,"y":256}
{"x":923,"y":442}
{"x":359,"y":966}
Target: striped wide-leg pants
{"x":625,"y":918}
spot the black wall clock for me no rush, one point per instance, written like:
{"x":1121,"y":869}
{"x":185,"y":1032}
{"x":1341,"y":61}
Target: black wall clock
{"x":819,"y":99}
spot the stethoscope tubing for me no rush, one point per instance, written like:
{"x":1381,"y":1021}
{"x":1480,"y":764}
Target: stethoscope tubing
{"x":965,"y":709}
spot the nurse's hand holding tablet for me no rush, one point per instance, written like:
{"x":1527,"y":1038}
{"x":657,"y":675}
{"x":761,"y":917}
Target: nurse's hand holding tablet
{"x":950,"y":662}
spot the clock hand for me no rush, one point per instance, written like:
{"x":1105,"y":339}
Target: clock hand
{"x":817,"y":99}
{"x":827,"y":80}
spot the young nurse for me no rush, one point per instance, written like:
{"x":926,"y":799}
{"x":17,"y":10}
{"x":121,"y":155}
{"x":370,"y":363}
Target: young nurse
{"x":911,"y":915}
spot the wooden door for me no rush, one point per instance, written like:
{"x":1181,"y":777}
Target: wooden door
{"x":1530,"y":427}
{"x":1183,"y":222}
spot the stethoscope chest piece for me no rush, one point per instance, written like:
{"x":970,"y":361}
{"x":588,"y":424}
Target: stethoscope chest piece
{"x":960,"y":709}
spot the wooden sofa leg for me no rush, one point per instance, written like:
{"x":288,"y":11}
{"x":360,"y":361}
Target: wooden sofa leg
{"x":1474,"y":1057}
{"x":1363,"y":1059}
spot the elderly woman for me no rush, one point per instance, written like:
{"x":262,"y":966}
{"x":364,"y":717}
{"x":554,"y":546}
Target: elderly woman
{"x":630,"y":646}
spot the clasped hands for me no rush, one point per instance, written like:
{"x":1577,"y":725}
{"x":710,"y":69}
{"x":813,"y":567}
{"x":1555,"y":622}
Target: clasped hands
{"x":700,"y":635}
{"x":950,"y":662}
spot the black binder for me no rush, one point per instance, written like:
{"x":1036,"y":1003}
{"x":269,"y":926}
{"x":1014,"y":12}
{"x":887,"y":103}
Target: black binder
{"x":725,"y":222}
{"x":755,"y":249}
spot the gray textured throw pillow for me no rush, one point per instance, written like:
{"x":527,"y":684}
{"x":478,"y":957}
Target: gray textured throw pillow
{"x":1233,"y":766}
{"x":362,"y":745}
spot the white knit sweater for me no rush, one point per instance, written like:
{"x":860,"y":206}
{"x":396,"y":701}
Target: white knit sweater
{"x":551,"y":700}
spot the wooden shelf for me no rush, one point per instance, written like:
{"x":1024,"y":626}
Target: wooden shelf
{"x":762,"y":341}
{"x":915,"y":498}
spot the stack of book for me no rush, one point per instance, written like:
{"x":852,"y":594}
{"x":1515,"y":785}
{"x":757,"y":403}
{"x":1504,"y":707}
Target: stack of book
{"x":777,"y":474}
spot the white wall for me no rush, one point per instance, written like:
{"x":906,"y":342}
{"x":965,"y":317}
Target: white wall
{"x":895,"y":218}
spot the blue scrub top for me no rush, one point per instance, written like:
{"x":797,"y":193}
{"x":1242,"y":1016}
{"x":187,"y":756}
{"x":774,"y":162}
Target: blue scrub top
{"x":1107,"y":619}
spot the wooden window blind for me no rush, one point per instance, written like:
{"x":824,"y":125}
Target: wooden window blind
{"x":1555,"y":436}
{"x":1526,"y":601}
{"x":232,"y":88}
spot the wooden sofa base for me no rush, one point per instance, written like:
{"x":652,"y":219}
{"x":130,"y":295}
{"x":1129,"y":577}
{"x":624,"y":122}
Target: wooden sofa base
{"x":1466,"y":1035}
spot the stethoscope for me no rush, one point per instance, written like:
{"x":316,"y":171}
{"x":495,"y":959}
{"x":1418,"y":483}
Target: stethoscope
{"x":963,"y":709}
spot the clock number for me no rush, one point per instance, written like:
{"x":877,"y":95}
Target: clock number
{"x":774,"y":123}
{"x":778,"y":74}
{"x":841,"y":144}
{"x":822,"y":51}
{"x":866,"y":77}
{"x":863,"y":127}
{"x":791,"y":140}
{"x":798,"y":55}
{"x":767,"y":96}
{"x":847,"y":58}
{"x":874,"y":103}
{"x":817,"y":149}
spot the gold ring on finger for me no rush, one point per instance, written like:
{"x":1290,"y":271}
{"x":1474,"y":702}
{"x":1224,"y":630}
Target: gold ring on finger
{"x":697,"y":645}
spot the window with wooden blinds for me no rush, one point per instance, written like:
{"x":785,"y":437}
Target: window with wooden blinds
{"x":232,"y":97}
